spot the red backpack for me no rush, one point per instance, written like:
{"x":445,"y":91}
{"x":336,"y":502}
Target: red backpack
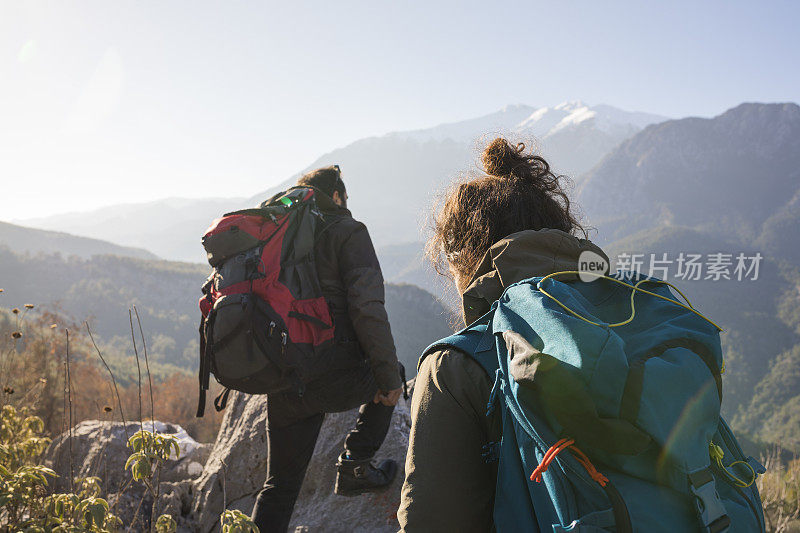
{"x":265,"y":321}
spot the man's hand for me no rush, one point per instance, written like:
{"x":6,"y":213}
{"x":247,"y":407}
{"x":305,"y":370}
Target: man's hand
{"x":388,"y":398}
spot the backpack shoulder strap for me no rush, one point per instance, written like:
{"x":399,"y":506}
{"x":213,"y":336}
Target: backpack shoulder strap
{"x":475,"y":340}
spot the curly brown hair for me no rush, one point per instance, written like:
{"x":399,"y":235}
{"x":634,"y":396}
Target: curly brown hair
{"x":517,"y":191}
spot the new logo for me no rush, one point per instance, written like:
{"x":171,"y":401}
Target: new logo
{"x":591,"y":266}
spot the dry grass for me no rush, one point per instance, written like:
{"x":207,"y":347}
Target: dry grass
{"x":33,"y":373}
{"x":780,"y":494}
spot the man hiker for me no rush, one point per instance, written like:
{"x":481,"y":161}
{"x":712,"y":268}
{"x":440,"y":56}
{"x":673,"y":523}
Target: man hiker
{"x":360,"y":369}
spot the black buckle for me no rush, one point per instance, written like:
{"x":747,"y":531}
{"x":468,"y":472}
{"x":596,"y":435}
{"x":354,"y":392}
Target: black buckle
{"x":720,"y":524}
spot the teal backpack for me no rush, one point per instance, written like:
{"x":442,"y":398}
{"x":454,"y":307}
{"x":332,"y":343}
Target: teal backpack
{"x":609,"y":426}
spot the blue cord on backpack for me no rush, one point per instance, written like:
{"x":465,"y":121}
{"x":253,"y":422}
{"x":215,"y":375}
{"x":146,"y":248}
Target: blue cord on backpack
{"x":491,"y":452}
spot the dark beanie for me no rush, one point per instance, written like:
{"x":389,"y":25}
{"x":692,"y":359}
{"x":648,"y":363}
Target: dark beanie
{"x":326,"y":179}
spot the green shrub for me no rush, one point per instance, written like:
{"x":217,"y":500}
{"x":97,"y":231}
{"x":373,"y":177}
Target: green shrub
{"x":25,"y":504}
{"x":234,"y":521}
{"x":150,"y":450}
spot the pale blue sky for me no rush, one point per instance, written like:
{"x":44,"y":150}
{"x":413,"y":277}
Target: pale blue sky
{"x":105,"y":101}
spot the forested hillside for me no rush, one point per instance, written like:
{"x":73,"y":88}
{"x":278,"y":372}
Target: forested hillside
{"x":760,"y":321}
{"x":728,"y":185}
{"x":101,"y":289}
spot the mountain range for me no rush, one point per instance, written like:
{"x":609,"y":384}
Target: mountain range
{"x":737,"y":174}
{"x":572,"y":135}
{"x":389,"y":178}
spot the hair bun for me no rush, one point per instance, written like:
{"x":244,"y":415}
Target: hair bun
{"x":501,"y":159}
{"x":504,"y":160}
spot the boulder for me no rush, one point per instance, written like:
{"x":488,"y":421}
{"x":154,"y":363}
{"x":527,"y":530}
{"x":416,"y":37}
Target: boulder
{"x":236,"y":469}
{"x":98,"y":448}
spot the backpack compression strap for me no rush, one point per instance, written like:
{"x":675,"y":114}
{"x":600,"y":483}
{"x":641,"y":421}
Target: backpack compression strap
{"x":205,"y":368}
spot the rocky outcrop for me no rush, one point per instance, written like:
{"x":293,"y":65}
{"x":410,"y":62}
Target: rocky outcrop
{"x":207,"y":479}
{"x":98,"y":448}
{"x":235,"y":472}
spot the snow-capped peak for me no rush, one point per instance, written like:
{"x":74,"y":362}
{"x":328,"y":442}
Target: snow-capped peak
{"x":539,"y":123}
{"x":547,"y":121}
{"x":570,"y":105}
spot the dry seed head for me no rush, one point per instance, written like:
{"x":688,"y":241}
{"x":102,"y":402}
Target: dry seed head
{"x":16,"y":334}
{"x":28,"y":306}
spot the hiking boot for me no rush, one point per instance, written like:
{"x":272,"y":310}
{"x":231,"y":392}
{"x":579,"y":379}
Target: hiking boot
{"x":359,"y":476}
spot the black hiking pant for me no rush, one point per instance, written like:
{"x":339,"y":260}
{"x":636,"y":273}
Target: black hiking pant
{"x":293,"y":425}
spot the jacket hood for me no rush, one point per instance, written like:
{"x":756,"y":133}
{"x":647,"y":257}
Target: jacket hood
{"x":326,"y":204}
{"x":520,"y":256}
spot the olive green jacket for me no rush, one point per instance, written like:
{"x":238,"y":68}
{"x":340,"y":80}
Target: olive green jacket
{"x":352,"y":283}
{"x":448,"y":485}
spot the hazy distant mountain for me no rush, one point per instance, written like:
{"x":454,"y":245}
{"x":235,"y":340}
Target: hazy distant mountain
{"x":30,"y":240}
{"x":391,"y":179}
{"x":418,"y":319}
{"x":734,"y":174}
{"x":573,"y":135}
{"x":170,"y":228}
{"x":406,"y":263}
{"x":502,"y":121}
